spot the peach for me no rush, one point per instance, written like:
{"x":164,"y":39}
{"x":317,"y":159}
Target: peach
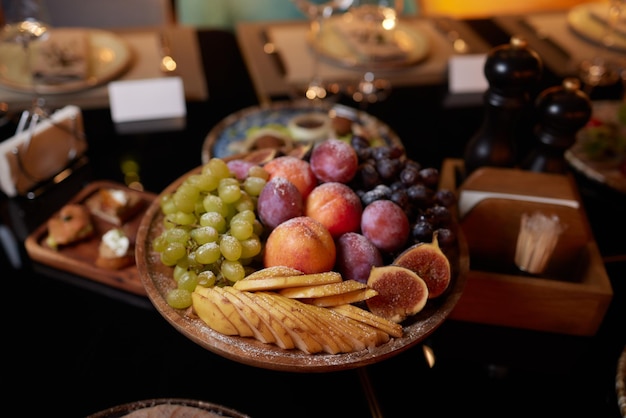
{"x":295,"y":170}
{"x":301,"y":243}
{"x":334,"y":160}
{"x":336,"y":206}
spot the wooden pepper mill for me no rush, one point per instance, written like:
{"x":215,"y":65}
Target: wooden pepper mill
{"x":512,"y":70}
{"x":561,"y":112}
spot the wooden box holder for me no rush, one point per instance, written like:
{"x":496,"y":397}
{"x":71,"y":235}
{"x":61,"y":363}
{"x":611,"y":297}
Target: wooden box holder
{"x":573,"y":293}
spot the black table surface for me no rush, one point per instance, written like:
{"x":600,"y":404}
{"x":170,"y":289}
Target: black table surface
{"x":76,"y":347}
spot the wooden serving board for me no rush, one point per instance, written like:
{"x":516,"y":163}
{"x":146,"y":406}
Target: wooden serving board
{"x":80,"y":258}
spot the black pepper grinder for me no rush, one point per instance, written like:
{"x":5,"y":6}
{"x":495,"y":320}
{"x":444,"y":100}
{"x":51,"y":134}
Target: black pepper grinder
{"x":561,"y":112}
{"x":512,"y":70}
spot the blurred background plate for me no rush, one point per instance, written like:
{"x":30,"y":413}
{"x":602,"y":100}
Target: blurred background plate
{"x":109,"y":57}
{"x":606,"y":169}
{"x":332,"y":45}
{"x":187,"y":408}
{"x":589,"y":21}
{"x":223,"y":140}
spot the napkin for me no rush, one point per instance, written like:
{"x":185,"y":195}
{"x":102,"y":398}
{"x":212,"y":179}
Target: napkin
{"x":62,"y":56}
{"x":30,"y":158}
{"x":369,"y":43}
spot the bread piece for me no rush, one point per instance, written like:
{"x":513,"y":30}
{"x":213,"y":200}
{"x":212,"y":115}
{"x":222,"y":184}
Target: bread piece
{"x":115,"y":251}
{"x":115,"y":206}
{"x":70,"y":225}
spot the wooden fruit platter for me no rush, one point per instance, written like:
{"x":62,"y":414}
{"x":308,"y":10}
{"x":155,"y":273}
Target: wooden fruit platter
{"x":80,"y":257}
{"x":158,"y":280}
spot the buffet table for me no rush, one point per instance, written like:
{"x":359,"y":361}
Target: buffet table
{"x":109,"y":346}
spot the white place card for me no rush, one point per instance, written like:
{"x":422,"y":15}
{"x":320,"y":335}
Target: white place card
{"x":148,"y":100}
{"x":466,"y":74}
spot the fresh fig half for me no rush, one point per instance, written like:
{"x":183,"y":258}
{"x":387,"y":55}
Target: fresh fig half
{"x":430,"y":263}
{"x":401,"y":292}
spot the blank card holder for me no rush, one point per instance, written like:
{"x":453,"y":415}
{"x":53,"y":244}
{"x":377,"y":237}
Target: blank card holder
{"x":148,"y":105}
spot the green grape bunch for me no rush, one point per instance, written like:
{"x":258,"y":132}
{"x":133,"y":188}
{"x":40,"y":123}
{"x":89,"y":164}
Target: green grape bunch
{"x":212,"y":235}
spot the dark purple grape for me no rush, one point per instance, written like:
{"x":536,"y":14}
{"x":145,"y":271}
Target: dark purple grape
{"x":388,"y":168}
{"x":446,"y":237}
{"x":409,"y":175}
{"x":359,"y":142}
{"x":379,"y":153}
{"x":377,"y":193}
{"x":397,"y":185}
{"x":445,"y":197}
{"x":438,"y":215}
{"x":401,"y":198}
{"x":420,"y":195}
{"x":422,"y":231}
{"x":367,"y":176}
{"x":413,"y":164}
{"x":362,"y":147}
{"x":430,"y":177}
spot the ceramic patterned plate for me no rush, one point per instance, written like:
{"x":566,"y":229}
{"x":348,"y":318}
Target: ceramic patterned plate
{"x":589,"y":22}
{"x":226,"y":138}
{"x":109,"y":56}
{"x":408,"y":46}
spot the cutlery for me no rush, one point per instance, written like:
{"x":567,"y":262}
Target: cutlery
{"x":270,"y":49}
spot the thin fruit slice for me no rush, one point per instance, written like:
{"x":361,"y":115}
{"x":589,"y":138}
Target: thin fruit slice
{"x":302,"y":335}
{"x":273,"y":283}
{"x":332,"y":340}
{"x":281,"y":335}
{"x":367,"y":336}
{"x":228,"y":309}
{"x":316,"y":291}
{"x":274,"y":271}
{"x":401,"y":292}
{"x":430,"y":263}
{"x":211,"y":315}
{"x":262,"y":332}
{"x":358,"y":314}
{"x":341,"y":299}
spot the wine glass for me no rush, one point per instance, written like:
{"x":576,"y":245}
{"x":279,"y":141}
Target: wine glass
{"x":317,"y":11}
{"x":379,"y":18}
{"x":601,"y":70}
{"x":25,"y":23}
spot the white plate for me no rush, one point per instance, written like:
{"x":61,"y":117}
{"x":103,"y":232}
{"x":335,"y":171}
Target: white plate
{"x":109,"y":56}
{"x":588,"y":21}
{"x":332,"y":45}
